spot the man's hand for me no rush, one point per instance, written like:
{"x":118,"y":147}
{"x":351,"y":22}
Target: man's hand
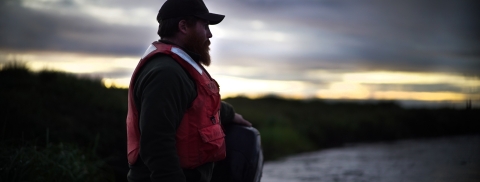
{"x":238,"y":119}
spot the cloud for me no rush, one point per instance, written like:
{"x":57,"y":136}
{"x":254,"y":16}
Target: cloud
{"x":114,"y":73}
{"x":370,"y":35}
{"x":43,"y":27}
{"x":416,"y":87}
{"x":296,"y":35}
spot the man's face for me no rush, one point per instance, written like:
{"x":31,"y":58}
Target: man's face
{"x":197,"y":41}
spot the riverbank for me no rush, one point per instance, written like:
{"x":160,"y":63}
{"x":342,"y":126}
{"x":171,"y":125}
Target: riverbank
{"x":440,"y":159}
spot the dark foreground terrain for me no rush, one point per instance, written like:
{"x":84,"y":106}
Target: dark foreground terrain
{"x":62,"y":127}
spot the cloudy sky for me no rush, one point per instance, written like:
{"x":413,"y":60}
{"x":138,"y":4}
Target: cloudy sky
{"x":349,"y":49}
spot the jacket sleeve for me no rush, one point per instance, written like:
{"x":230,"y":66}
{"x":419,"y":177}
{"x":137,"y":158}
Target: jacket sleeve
{"x":226,"y":113}
{"x":164,"y":95}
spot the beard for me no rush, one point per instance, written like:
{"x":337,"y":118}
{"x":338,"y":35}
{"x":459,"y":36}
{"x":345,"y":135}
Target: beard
{"x":196,"y":44}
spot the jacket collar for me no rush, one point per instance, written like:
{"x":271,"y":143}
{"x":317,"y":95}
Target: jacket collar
{"x":196,"y":57}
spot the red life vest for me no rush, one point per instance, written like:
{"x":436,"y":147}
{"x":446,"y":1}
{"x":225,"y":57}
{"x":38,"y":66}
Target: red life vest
{"x":200,"y":137}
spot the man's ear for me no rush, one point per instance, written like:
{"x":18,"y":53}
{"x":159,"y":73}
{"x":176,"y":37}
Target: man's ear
{"x":182,"y":26}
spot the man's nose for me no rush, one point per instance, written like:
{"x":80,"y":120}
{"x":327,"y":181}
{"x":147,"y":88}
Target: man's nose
{"x":209,"y":33}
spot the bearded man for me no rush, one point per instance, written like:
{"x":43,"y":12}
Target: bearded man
{"x":175,"y":114}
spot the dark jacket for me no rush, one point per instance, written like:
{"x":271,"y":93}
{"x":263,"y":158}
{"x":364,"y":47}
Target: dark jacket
{"x":163,"y":92}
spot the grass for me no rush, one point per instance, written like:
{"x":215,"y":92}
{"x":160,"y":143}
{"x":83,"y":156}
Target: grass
{"x":293,"y":126}
{"x":75,"y":110}
{"x":60,"y":162}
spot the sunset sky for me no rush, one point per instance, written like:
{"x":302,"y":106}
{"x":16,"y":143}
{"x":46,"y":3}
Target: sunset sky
{"x":414,"y":50}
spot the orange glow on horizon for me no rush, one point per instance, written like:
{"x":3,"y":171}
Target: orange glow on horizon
{"x":330,"y":85}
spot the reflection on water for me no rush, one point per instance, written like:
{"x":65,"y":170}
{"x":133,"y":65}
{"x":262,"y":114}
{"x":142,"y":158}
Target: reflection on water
{"x":440,"y":160}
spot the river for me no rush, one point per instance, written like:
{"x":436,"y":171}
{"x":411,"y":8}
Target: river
{"x":446,"y":159}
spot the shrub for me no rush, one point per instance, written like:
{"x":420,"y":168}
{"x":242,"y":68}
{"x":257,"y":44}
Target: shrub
{"x":61,"y":162}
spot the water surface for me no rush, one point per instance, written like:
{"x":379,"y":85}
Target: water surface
{"x":423,"y":160}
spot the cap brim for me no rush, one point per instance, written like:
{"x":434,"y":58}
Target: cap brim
{"x":212,"y":18}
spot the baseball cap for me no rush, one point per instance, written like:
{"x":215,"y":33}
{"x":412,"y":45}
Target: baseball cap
{"x":179,"y":8}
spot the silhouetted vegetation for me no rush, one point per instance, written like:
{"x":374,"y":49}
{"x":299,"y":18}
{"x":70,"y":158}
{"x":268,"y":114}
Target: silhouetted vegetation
{"x":292,"y":126}
{"x":58,"y":162}
{"x":71,"y":128}
{"x":45,"y":108}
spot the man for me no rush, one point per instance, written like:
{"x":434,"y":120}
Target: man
{"x":175,"y":111}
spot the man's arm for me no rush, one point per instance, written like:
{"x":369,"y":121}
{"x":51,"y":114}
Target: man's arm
{"x":226,"y":113}
{"x":228,"y":116}
{"x":165,"y":92}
